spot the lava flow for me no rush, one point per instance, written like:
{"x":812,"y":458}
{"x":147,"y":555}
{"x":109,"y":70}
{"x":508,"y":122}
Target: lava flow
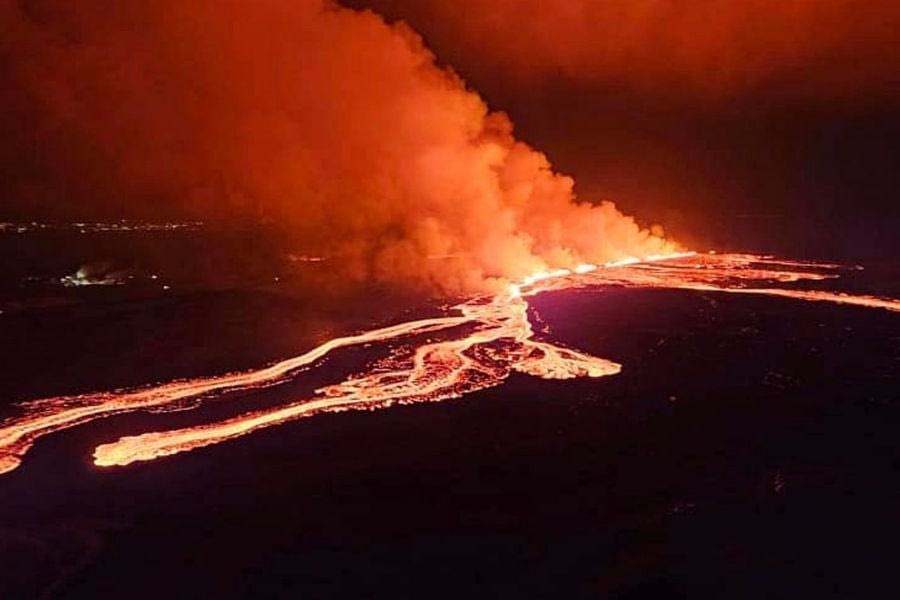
{"x":489,"y":338}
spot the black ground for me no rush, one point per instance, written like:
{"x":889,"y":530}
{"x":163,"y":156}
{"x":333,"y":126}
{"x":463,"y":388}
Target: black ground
{"x":749,"y":449}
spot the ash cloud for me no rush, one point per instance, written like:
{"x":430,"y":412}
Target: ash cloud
{"x":689,"y":51}
{"x":332,"y":124}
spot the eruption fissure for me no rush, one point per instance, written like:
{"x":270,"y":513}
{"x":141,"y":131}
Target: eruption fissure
{"x":342,"y":131}
{"x":497,"y":340}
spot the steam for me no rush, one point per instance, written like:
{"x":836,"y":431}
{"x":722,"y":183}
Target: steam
{"x":697,"y":50}
{"x":328,"y":122}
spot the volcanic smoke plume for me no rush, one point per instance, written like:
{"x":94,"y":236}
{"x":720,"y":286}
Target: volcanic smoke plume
{"x":699,"y":50}
{"x":326,"y":121}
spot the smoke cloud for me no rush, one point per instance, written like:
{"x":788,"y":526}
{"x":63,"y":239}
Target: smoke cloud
{"x":328,"y":122}
{"x":689,"y":50}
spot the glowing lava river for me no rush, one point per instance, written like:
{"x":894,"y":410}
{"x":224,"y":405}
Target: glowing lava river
{"x":481,"y":343}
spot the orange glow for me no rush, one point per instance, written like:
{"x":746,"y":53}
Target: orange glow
{"x":335,"y":127}
{"x":733,"y":273}
{"x":807,"y":48}
{"x":498,"y":339}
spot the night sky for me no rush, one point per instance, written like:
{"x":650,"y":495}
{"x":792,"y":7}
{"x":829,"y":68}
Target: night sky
{"x":761,"y":125}
{"x":250,"y":212}
{"x":778,"y":127}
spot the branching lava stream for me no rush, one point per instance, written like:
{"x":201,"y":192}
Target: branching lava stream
{"x":498,"y":340}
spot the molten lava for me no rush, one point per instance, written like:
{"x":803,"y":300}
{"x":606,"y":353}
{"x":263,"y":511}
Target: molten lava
{"x":484,"y":341}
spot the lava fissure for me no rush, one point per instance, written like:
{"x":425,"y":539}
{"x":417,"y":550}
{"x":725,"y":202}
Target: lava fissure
{"x":498,"y":340}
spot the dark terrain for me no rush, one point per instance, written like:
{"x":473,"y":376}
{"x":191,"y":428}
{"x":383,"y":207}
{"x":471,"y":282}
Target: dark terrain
{"x":748,"y":450}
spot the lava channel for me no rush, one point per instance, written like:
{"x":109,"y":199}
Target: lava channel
{"x":498,"y":340}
